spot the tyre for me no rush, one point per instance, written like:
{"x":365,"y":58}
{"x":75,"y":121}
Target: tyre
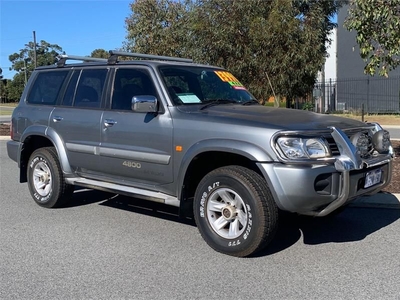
{"x":234,"y":211}
{"x":45,"y":179}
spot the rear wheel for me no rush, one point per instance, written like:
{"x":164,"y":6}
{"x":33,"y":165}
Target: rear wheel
{"x":235,"y":211}
{"x":46,"y":180}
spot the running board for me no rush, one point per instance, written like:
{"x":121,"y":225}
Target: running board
{"x":126,"y":190}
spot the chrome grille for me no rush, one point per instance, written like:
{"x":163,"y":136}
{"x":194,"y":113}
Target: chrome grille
{"x":332,"y":146}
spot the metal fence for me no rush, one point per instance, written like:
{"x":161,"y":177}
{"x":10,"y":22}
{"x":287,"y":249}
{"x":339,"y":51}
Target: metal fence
{"x":376,"y":95}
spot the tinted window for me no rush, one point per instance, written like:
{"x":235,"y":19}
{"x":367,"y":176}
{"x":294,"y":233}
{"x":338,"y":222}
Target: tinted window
{"x":70,"y":92}
{"x":46,"y":87}
{"x":90,"y":87}
{"x":129,"y":83}
{"x":193,"y":85}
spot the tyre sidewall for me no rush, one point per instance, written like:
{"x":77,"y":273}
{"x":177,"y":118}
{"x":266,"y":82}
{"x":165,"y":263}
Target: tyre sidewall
{"x":51,"y":197}
{"x":249,"y":235}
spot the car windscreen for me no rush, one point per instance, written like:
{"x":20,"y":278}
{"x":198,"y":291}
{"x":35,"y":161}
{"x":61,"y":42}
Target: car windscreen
{"x":199,"y":85}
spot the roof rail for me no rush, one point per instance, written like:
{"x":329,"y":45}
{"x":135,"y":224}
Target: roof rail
{"x":113,"y":59}
{"x":62,"y":59}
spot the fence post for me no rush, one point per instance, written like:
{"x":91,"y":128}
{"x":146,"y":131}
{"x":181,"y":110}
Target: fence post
{"x":362,"y":112}
{"x":367,"y":97}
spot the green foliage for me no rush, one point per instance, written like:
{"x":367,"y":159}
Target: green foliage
{"x":3,"y":91}
{"x":100,"y":53}
{"x":308,"y":106}
{"x":282,"y":38}
{"x":23,"y":63}
{"x":157,"y":27}
{"x":377,"y":23}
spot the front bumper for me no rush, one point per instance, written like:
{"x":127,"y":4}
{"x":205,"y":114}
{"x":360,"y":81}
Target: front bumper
{"x":319,"y":189}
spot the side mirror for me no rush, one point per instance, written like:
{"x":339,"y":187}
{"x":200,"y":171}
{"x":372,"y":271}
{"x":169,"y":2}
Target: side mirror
{"x":144,"y":104}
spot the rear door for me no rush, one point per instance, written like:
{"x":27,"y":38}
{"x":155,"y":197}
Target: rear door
{"x":136,"y":148}
{"x":41,"y":100}
{"x":77,"y":119}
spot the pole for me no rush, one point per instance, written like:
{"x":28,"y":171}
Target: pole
{"x":323,"y":90}
{"x":276,"y":101}
{"x":26,"y":79}
{"x":34,"y":49}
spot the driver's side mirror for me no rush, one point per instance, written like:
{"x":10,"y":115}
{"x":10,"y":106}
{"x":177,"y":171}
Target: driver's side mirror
{"x":144,"y":104}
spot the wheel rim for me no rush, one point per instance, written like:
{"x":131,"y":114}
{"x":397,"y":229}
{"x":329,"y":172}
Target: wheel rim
{"x":227,"y":213}
{"x":42,"y":179}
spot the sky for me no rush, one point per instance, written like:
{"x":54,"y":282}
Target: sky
{"x":79,"y":27}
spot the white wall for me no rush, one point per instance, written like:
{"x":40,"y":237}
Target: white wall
{"x":331,"y":61}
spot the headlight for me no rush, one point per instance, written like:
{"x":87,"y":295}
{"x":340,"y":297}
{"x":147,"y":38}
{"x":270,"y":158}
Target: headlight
{"x":303,"y":148}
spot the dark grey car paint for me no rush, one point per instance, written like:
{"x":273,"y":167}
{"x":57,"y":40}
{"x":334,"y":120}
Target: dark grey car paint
{"x":134,"y":152}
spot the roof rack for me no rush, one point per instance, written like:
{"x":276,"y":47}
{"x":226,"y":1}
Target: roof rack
{"x":113,"y":59}
{"x":62,"y":59}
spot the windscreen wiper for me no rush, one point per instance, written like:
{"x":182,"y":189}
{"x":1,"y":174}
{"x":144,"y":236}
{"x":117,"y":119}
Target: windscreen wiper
{"x":213,"y":102}
{"x":251,"y":102}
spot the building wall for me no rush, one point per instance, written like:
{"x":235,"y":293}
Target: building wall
{"x":356,"y":90}
{"x":331,"y":60}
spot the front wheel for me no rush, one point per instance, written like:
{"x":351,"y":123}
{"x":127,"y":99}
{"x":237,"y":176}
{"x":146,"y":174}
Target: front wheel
{"x":45,"y":179}
{"x":235,"y":211}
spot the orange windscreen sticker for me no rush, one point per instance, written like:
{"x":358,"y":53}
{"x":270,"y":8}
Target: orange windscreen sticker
{"x":228,"y":77}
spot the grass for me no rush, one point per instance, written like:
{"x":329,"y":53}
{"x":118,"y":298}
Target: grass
{"x":13,"y":104}
{"x":7,"y":112}
{"x":381,"y":119}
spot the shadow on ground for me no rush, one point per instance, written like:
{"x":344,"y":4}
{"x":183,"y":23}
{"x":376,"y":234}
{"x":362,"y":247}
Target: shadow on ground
{"x":84,"y":196}
{"x":354,"y":223}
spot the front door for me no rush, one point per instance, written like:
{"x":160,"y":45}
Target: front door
{"x":136,"y":148}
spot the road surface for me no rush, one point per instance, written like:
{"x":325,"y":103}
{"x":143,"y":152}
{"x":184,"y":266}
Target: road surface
{"x":104,"y":246}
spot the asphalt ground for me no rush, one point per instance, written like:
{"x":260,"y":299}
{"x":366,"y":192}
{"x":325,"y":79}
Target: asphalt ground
{"x":104,"y":246}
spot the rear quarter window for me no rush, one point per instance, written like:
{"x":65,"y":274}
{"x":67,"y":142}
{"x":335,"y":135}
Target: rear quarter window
{"x":46,"y":87}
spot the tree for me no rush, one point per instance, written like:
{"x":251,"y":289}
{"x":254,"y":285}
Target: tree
{"x":157,"y":27}
{"x":281,"y":42}
{"x":4,"y":90}
{"x":100,"y":53}
{"x":23,"y":63}
{"x":377,"y":24}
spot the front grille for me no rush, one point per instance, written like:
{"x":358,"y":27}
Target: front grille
{"x":332,"y":146}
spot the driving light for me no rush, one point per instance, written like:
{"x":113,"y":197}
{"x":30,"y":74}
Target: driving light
{"x":362,"y":143}
{"x":381,"y":141}
{"x":303,"y":148}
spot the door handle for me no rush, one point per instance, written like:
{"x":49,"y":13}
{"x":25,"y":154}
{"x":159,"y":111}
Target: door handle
{"x":109,"y":123}
{"x":57,"y":119}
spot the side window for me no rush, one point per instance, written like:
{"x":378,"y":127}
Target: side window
{"x":70,"y":92}
{"x":129,"y":83}
{"x":46,"y":87}
{"x":90,"y":87}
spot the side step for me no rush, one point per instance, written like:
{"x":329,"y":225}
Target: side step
{"x":126,"y":190}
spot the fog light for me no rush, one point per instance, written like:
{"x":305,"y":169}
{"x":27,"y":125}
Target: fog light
{"x":362,"y":142}
{"x":381,"y":141}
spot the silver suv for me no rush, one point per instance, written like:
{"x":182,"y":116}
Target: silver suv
{"x":168,"y":130}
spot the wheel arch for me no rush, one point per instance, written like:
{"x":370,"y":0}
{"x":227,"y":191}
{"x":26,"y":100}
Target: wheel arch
{"x":36,"y":137}
{"x":205,"y":156}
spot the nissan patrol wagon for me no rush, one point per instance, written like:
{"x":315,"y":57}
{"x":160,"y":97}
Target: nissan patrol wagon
{"x":169,"y":130}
